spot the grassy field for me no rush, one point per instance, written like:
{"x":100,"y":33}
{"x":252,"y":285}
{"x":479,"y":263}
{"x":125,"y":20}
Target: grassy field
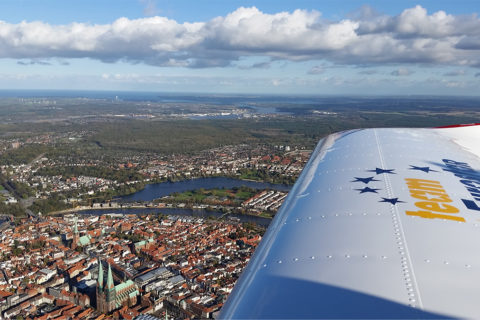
{"x":233,"y":196}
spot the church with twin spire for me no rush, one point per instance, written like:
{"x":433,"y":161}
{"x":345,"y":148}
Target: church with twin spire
{"x":111,"y":296}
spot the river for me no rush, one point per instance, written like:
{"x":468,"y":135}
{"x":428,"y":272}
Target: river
{"x":158,"y":190}
{"x":178,"y":212}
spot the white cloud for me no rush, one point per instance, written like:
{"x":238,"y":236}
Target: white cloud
{"x":316,"y":70}
{"x":453,"y":84}
{"x":455,"y":73}
{"x":32,"y":62}
{"x":368,"y":38}
{"x":258,"y":65}
{"x":401,"y":72}
{"x":416,"y":21}
{"x":368,"y":72}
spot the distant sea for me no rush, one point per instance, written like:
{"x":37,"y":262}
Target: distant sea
{"x":256,"y":100}
{"x":156,"y":96}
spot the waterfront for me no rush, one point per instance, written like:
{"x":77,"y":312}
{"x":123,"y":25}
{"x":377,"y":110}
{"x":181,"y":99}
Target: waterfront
{"x":201,"y":213}
{"x":158,"y":190}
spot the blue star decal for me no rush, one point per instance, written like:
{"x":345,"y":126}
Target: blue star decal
{"x":380,"y":171}
{"x":364,"y":180}
{"x":367,"y":189}
{"x":424,"y":169}
{"x":391,"y":200}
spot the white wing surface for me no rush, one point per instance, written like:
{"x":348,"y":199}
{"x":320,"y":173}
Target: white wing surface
{"x":382,"y":223}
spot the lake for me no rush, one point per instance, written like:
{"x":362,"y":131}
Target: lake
{"x":158,"y":190}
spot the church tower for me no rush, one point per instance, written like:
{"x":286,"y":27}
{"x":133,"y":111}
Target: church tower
{"x":75,"y":234}
{"x":100,"y":293}
{"x":106,"y":295}
{"x":111,"y":297}
{"x":110,"y":294}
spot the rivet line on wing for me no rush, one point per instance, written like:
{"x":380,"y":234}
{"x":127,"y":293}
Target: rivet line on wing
{"x":401,"y":242}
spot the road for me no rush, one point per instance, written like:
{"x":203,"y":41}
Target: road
{"x":25,"y":203}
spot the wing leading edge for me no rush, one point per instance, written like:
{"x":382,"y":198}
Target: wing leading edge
{"x":382,"y":223}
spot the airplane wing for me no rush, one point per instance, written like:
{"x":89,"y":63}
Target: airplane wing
{"x":382,"y":223}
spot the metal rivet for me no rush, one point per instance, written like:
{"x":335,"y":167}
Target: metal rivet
{"x":347,"y":256}
{"x":312,"y":257}
{"x":265,"y":265}
{"x":427,"y":260}
{"x":329,"y":257}
{"x":297,"y":220}
{"x":365,"y":256}
{"x":295,"y":259}
{"x":446,"y":262}
{"x":279,"y":261}
{"x":467,"y":266}
{"x":384,"y":257}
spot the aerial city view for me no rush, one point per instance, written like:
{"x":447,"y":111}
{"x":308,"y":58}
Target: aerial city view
{"x":146,"y":146}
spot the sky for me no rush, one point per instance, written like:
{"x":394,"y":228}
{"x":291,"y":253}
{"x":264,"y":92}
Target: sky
{"x":322,"y":47}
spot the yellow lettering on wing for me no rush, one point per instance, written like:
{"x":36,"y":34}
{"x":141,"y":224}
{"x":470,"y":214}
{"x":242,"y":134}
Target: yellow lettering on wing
{"x":422,"y":195}
{"x":431,"y":215}
{"x":435,"y":199}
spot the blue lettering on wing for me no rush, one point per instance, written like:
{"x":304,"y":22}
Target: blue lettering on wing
{"x":472,"y":205}
{"x":469,"y":178}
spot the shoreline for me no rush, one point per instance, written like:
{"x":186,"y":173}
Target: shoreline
{"x":139,"y":207}
{"x":169,"y":187}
